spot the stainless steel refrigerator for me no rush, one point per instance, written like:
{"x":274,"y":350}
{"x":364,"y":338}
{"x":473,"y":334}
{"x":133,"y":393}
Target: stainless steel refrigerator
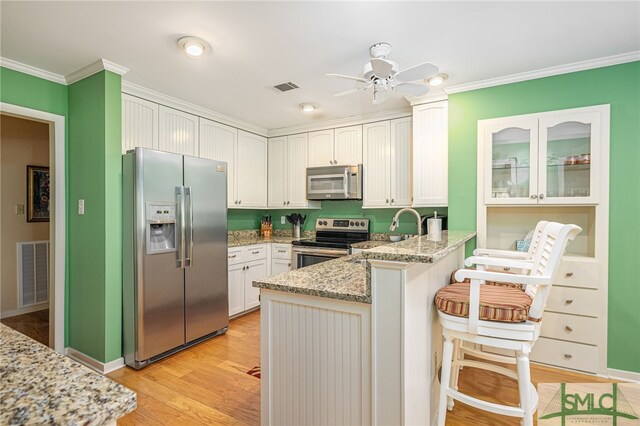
{"x":174,"y":253}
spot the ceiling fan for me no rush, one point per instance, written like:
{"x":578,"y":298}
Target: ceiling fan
{"x":382,"y":74}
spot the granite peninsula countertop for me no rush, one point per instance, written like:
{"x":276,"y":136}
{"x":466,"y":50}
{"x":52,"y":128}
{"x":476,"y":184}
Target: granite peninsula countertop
{"x":40,"y":386}
{"x":366,"y":245}
{"x":349,"y":278}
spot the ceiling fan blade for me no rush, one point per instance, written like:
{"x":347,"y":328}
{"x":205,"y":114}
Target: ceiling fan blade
{"x":347,"y":92}
{"x":379,"y":96}
{"x":417,"y":73}
{"x":412,"y":89}
{"x":381,"y":67}
{"x":348,"y":77}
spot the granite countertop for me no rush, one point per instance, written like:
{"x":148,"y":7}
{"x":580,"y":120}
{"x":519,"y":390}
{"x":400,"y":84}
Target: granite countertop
{"x":249,"y":237}
{"x":344,"y":278}
{"x":366,"y":245}
{"x":41,"y":386}
{"x":420,"y":249}
{"x":349,"y":278}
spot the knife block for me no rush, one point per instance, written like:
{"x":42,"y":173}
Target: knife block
{"x":266,"y":229}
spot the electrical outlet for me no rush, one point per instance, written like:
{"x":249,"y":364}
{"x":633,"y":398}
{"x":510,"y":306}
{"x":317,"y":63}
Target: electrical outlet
{"x":19,"y":208}
{"x":80,"y":206}
{"x":282,"y":220}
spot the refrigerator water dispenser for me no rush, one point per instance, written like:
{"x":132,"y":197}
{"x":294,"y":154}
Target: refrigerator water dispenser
{"x":161,"y":228}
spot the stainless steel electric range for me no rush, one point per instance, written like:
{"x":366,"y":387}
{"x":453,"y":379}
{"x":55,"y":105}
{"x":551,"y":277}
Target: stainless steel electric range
{"x":333,"y":239}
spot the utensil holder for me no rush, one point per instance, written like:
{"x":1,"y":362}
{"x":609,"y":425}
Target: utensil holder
{"x":296,"y":231}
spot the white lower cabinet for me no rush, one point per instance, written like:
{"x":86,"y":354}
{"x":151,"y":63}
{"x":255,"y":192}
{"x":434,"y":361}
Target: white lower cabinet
{"x":254,"y":270}
{"x":246,"y":264}
{"x":279,"y":266}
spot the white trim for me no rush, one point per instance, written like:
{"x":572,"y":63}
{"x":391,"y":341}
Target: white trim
{"x":342,"y":122}
{"x":94,"y":68}
{"x":546,"y":72}
{"x":434,"y":96}
{"x":94,"y":364}
{"x":57,"y":232}
{"x":169,"y":101}
{"x":632,"y":376}
{"x":28,"y":69}
{"x":25,"y":310}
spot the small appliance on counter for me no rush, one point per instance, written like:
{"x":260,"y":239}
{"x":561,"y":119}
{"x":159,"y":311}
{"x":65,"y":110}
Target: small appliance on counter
{"x":425,"y":222}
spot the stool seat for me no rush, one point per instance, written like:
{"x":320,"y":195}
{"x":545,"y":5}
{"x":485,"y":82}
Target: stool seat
{"x":497,"y":303}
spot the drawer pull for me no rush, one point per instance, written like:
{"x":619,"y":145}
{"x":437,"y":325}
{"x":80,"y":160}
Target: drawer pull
{"x":568,"y":274}
{"x":255,"y":252}
{"x":282,"y":251}
{"x":506,"y":268}
{"x":568,"y":356}
{"x":568,"y":301}
{"x":231,"y":257}
{"x":569,"y":329}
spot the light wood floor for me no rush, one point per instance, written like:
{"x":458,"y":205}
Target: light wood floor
{"x":34,"y":325}
{"x":208,"y":384}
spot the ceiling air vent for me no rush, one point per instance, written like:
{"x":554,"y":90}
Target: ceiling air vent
{"x":285,"y":87}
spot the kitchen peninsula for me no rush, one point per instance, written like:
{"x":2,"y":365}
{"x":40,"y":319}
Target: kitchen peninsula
{"x":356,"y":340}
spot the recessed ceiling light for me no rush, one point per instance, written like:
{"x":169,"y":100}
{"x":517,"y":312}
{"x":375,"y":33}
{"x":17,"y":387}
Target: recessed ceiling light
{"x":193,"y":46}
{"x":437,"y":80}
{"x":308,"y":108}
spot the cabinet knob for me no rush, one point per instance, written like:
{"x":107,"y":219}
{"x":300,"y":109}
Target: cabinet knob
{"x":239,"y":201}
{"x":235,"y":202}
{"x":287,"y":203}
{"x":255,"y":252}
{"x":392,"y":200}
{"x":386,"y":201}
{"x":282,"y":251}
{"x":533,"y":196}
{"x":568,"y":301}
{"x":231,"y":257}
{"x":541,"y":196}
{"x":284,"y":203}
{"x":289,"y":264}
{"x":568,"y":274}
{"x":244,"y":267}
{"x":568,"y":356}
{"x":331,"y":162}
{"x":247,"y":267}
{"x":506,"y":268}
{"x":569,"y":329}
{"x":335,"y":162}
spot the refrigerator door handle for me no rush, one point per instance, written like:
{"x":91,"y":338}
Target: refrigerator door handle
{"x":180,"y":262}
{"x":189,"y":246}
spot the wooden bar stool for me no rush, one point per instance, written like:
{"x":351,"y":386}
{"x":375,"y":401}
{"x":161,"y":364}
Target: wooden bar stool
{"x":499,"y":316}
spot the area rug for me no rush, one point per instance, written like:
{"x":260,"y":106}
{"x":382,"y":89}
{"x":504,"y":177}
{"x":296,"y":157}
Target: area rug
{"x":255,"y":371}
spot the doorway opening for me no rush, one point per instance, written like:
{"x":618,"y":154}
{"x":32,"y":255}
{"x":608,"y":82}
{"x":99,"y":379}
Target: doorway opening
{"x":32,"y":227}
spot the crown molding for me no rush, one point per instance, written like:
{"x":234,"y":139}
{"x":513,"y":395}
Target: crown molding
{"x":169,"y":101}
{"x":94,"y":68}
{"x":545,"y":72}
{"x":433,"y":96}
{"x":342,"y":122}
{"x":28,"y":69}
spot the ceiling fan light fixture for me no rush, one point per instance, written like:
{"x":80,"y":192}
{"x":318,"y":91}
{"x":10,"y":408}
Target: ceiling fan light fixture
{"x":193,"y":46}
{"x":437,"y":80}
{"x":308,"y":108}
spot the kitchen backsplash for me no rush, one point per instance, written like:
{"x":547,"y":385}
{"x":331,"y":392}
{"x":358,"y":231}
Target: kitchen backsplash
{"x":380,"y":218}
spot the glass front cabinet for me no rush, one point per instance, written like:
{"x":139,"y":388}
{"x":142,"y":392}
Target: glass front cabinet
{"x":547,"y":158}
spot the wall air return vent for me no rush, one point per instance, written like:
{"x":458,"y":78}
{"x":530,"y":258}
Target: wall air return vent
{"x":285,"y":87}
{"x":33,"y":272}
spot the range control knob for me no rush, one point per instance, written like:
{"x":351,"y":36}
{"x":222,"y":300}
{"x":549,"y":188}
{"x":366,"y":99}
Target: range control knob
{"x":351,"y":223}
{"x":361,"y":223}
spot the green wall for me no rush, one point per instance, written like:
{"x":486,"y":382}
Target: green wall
{"x":618,"y":86}
{"x":380,"y":219}
{"x":95,"y":257}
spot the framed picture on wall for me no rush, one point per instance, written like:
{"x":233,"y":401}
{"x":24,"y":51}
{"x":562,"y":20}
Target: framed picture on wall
{"x":37,"y":194}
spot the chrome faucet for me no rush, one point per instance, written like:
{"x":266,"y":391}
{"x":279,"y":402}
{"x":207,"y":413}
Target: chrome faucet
{"x":396,"y":221}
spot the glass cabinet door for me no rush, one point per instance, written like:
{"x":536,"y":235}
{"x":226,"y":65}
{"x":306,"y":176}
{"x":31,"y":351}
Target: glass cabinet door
{"x":568,"y":159}
{"x":511,"y":158}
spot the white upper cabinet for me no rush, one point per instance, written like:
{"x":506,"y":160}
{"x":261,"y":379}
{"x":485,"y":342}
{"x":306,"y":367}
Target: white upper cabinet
{"x":178,"y":131}
{"x":288,"y":172}
{"x":348,"y":145}
{"x":297,"y":149}
{"x":430,"y":155}
{"x":219,"y":142}
{"x":321,"y":148}
{"x":400,"y":162}
{"x":547,"y":158}
{"x":332,"y":147}
{"x":278,"y":162}
{"x":139,"y":123}
{"x":252,"y":170}
{"x":377,"y":164}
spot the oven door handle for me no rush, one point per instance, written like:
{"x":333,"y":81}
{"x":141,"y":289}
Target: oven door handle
{"x":331,"y":252}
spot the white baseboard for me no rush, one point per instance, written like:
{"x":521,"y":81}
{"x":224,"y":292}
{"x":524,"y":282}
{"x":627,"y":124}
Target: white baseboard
{"x":94,"y":364}
{"x":627,"y":376}
{"x":25,"y":310}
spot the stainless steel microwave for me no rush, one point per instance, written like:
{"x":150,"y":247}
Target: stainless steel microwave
{"x":334,"y":183}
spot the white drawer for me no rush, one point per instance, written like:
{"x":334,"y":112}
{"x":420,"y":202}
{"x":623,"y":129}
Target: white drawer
{"x":255,"y":252}
{"x":571,"y":327}
{"x":565,"y":354}
{"x":578,"y":273}
{"x":570,"y":300}
{"x":281,"y":251}
{"x":235,"y":255}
